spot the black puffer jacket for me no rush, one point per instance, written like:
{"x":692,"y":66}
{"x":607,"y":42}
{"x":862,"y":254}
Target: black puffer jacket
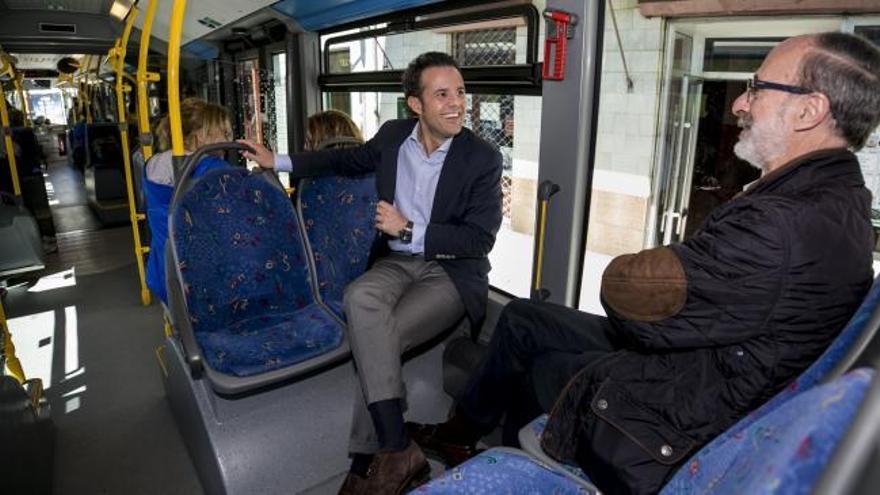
{"x":718,"y":324}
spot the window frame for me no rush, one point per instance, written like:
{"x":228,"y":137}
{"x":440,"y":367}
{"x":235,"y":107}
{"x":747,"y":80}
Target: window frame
{"x":514,"y":79}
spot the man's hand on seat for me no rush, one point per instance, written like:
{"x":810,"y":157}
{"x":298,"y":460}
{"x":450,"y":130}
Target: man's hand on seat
{"x":262,"y":155}
{"x":388,"y":219}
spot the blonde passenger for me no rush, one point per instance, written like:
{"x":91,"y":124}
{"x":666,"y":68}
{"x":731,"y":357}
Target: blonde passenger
{"x":326,"y":128}
{"x":203,"y":123}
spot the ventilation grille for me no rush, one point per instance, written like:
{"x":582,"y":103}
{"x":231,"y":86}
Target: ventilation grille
{"x":49,"y":27}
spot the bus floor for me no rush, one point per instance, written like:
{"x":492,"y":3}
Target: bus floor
{"x":67,"y":198}
{"x":81,"y":328}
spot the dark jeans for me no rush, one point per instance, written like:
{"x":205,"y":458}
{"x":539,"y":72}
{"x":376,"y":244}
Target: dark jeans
{"x":535,"y":350}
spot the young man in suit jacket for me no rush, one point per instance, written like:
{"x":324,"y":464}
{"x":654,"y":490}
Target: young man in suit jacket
{"x":439,"y":210}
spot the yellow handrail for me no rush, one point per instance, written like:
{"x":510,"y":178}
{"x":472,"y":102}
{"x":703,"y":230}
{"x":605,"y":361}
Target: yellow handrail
{"x":174,"y":122}
{"x":118,"y":56}
{"x":6,"y":67}
{"x":144,"y":78}
{"x":12,"y":362}
{"x":10,"y":149}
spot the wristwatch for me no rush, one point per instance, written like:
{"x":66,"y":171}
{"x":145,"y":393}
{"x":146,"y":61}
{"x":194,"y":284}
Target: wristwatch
{"x":405,"y":234}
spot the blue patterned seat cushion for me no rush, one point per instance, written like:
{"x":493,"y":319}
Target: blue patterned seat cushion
{"x":338,"y":216}
{"x":712,"y":458}
{"x":245,"y":278}
{"x":503,"y":471}
{"x":786,"y":450}
{"x":530,"y":441}
{"x":263,"y":343}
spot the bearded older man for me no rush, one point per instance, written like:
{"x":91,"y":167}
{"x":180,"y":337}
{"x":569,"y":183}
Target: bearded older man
{"x":701,"y":332}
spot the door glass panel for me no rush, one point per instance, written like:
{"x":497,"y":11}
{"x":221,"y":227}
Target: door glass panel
{"x":736,"y":55}
{"x":248,"y":89}
{"x":717,"y":174}
{"x":668,"y":182}
{"x":869,"y":155}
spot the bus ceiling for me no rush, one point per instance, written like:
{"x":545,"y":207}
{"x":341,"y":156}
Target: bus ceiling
{"x":87,"y":26}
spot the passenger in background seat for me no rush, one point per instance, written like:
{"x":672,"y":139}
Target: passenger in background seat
{"x":203,"y":123}
{"x":330,"y":129}
{"x":16,"y":116}
{"x":702,"y":332}
{"x":439,"y":187}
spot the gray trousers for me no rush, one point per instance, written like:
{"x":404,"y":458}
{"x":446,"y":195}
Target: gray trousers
{"x":399,"y":303}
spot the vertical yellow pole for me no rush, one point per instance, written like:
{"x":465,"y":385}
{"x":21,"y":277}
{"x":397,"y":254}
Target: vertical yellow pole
{"x":119,"y":64}
{"x":542,"y":225}
{"x":7,"y":138}
{"x":174,"y":39}
{"x":144,"y":78}
{"x":12,"y":362}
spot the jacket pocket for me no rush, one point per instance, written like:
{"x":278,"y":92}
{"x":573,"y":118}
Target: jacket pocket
{"x":661,"y":441}
{"x":626,"y":448}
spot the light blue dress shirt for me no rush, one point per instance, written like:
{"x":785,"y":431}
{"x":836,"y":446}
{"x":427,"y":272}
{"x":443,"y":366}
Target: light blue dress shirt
{"x":417,"y":177}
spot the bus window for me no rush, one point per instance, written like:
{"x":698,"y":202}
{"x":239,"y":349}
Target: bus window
{"x":248,"y":87}
{"x":509,"y":119}
{"x":277,"y":103}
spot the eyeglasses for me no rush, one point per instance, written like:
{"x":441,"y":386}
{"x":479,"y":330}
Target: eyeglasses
{"x":754,"y":84}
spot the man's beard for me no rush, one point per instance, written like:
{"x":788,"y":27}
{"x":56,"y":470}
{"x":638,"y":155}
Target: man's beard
{"x":761,"y":143}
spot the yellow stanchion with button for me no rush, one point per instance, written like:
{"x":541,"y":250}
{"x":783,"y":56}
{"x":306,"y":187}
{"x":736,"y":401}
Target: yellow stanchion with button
{"x":117,"y":57}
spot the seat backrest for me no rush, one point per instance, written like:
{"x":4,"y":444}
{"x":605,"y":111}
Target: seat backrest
{"x":786,"y":450}
{"x":29,"y":157}
{"x":337,"y":213}
{"x":861,"y":327}
{"x":104,"y":146}
{"x":239,"y":252}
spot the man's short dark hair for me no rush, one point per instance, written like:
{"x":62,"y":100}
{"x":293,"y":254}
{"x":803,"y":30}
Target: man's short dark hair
{"x":846,"y":68}
{"x":412,"y":76}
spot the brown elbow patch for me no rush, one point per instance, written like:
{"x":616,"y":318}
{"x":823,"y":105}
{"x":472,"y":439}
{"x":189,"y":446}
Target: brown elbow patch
{"x":646,"y":286}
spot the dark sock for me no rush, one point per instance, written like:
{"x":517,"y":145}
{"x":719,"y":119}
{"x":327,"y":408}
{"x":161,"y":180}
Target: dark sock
{"x":461,"y":429}
{"x":388,"y":419}
{"x":360,"y":463}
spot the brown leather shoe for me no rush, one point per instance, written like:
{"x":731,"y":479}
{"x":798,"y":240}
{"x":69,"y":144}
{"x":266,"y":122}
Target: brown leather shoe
{"x":353,"y":485}
{"x":429,"y":438}
{"x":393,"y":472}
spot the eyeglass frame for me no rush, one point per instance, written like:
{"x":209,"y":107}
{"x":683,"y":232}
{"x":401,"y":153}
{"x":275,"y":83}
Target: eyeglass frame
{"x":754,"y":84}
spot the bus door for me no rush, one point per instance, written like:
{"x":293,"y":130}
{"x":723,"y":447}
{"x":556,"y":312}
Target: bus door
{"x":681,"y":125}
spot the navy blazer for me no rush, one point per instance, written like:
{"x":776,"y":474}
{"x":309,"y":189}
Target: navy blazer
{"x":466,"y":213}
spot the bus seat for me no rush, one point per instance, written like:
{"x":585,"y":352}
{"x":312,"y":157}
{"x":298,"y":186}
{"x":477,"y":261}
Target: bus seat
{"x":842,"y":352}
{"x":784,"y":451}
{"x":29,"y":162}
{"x":20,"y":245}
{"x":337,"y":213}
{"x":104,"y":172}
{"x":29,"y":155}
{"x":77,"y":138}
{"x":505,"y":470}
{"x":839,"y":356}
{"x":787,"y":449}
{"x":243,"y":273}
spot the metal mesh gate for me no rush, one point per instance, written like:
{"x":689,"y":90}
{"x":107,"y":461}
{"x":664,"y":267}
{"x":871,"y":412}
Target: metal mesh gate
{"x":491,"y":116}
